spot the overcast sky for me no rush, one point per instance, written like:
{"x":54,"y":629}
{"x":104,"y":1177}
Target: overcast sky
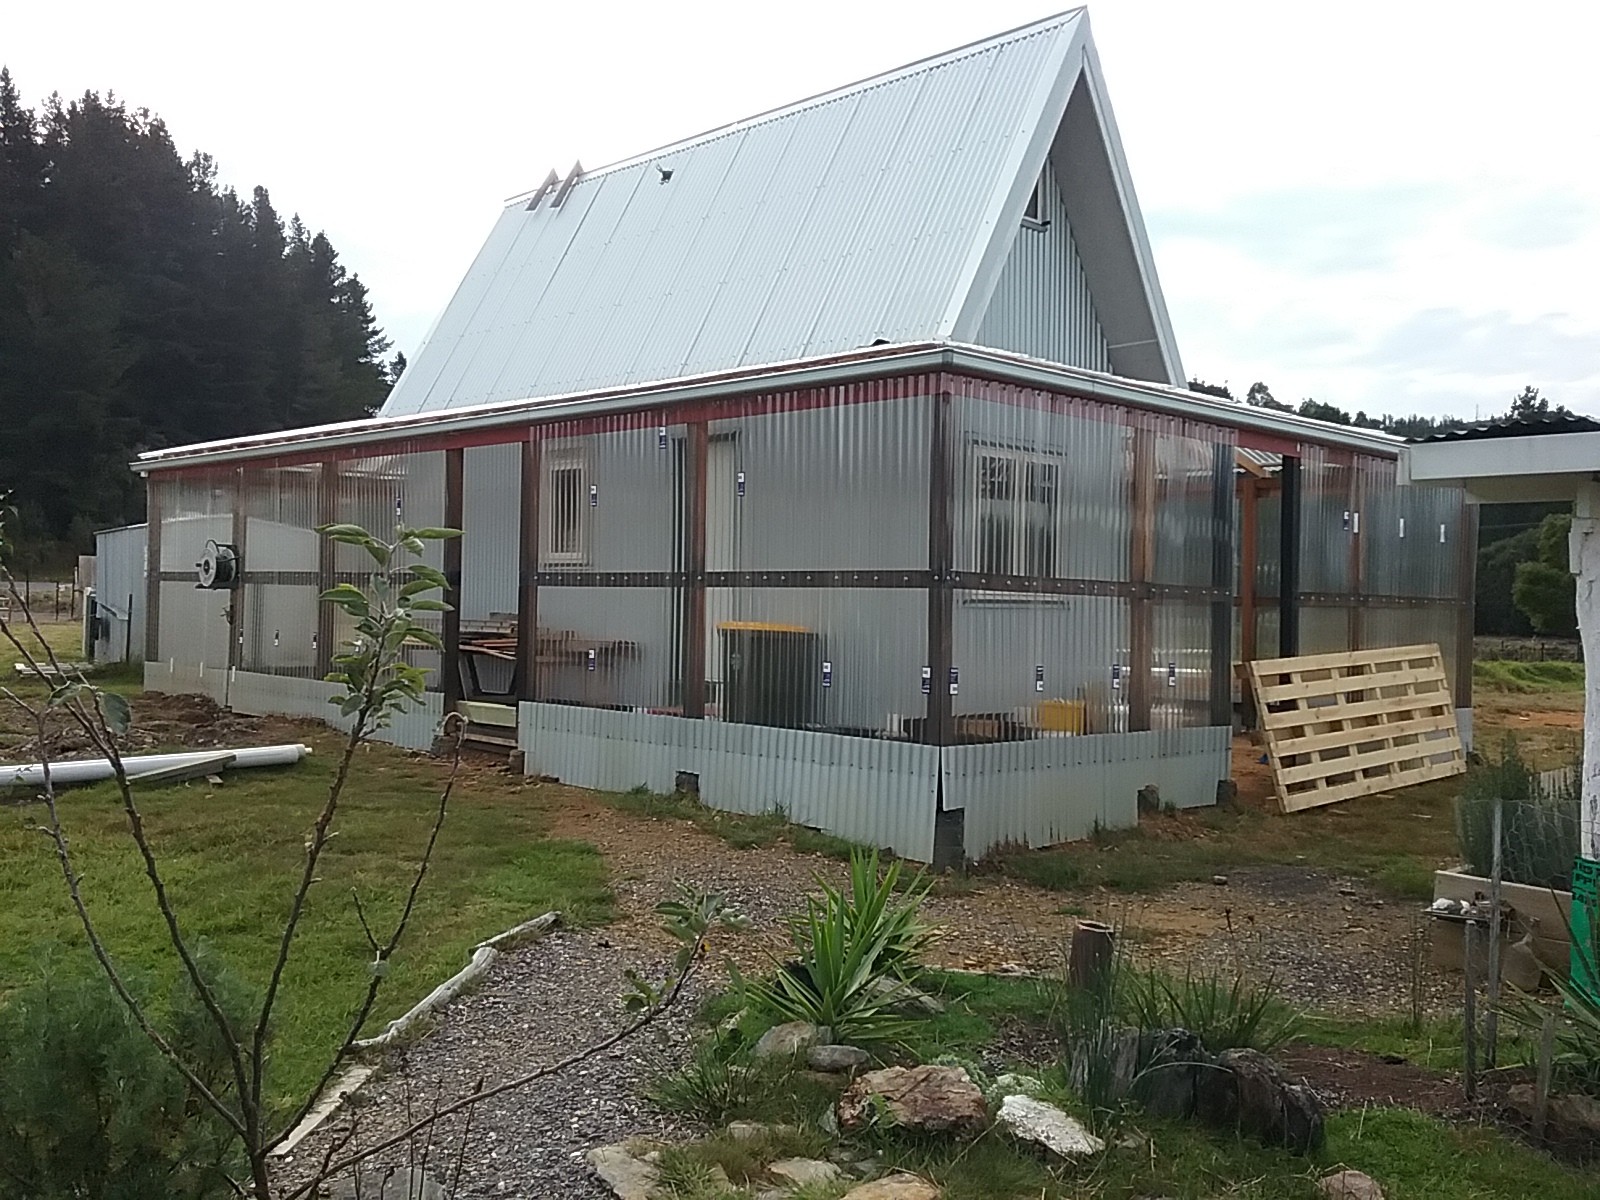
{"x":1389,"y":206}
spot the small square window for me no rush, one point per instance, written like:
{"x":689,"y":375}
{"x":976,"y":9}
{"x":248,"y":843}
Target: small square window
{"x":566,"y":506}
{"x":1016,"y":513}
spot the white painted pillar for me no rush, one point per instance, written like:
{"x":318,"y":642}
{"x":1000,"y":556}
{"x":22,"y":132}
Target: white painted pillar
{"x":1584,"y":548}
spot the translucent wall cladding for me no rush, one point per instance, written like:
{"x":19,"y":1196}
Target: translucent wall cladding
{"x":606,"y":647}
{"x":280,"y":554}
{"x":1050,"y":486}
{"x":1327,"y":537}
{"x":1025,"y":665}
{"x":195,"y":507}
{"x":844,"y":660}
{"x":1181,"y":675}
{"x":835,"y":480}
{"x":609,"y":495}
{"x":1415,"y":625}
{"x":1411,"y":537}
{"x":491,"y":518}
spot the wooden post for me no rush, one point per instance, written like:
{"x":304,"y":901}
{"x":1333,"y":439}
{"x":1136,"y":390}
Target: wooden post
{"x":1249,"y":499}
{"x":1141,"y":562}
{"x":1469,"y":1012}
{"x":450,"y":660}
{"x":1541,"y":1087}
{"x":1093,"y":946}
{"x":152,"y":571}
{"x":939,"y":728}
{"x":1289,"y":561}
{"x":236,"y":601}
{"x":528,"y":570}
{"x":694,"y":594}
{"x":327,"y":564}
{"x":1491,"y":1020}
{"x":1222,"y":583}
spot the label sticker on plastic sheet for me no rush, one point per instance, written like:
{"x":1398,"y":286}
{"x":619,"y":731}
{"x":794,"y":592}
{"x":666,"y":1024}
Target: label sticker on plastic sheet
{"x":594,"y":495}
{"x":594,"y":658}
{"x":1172,"y":674}
{"x":955,"y":681}
{"x":1116,"y":677}
{"x":661,"y":438}
{"x":1038,"y":678}
{"x":827,"y":674}
{"x":927,"y":680}
{"x":741,"y":485}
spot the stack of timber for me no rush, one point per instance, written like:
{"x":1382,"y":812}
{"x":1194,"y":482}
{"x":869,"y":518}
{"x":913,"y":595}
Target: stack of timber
{"x":1356,"y":722}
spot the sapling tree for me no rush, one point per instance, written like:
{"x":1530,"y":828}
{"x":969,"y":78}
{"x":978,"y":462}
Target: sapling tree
{"x":378,"y":681}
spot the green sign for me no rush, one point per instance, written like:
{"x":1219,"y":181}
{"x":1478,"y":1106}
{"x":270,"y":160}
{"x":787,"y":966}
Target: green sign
{"x":1586,"y":927}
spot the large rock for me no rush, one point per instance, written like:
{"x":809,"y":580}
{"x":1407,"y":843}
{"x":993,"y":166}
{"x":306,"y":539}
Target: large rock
{"x":803,"y":1171}
{"x":629,"y":1177}
{"x":1247,"y":1092}
{"x":1174,"y":1064}
{"x":786,"y":1041}
{"x":930,"y":1098}
{"x":1349,"y":1185}
{"x":898,"y":1186}
{"x":1046,"y":1125}
{"x":836,"y":1059}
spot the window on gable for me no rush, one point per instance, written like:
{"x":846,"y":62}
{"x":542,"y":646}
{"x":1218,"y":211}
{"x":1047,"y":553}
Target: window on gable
{"x":566,"y":531}
{"x":1017,"y":507}
{"x":1036,"y":212}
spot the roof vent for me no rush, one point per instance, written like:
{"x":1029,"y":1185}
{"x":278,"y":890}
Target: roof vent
{"x":550,"y":181}
{"x":567,"y":184}
{"x":665,"y":173}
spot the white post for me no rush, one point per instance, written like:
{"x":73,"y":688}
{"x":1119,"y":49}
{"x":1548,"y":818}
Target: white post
{"x":1584,"y":549}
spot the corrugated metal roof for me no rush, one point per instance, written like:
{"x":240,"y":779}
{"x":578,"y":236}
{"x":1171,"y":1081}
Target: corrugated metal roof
{"x":1517,"y":427}
{"x":872,"y":213}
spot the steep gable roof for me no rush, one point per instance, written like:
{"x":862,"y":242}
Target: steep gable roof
{"x":881,"y":212}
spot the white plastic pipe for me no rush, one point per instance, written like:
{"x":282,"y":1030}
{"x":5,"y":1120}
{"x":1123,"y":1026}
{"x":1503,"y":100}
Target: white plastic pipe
{"x":91,"y":770}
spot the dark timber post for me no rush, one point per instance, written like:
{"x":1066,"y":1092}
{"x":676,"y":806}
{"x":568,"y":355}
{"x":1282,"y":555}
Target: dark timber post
{"x":241,"y":498}
{"x":694,"y":594}
{"x":327,"y":562}
{"x":1289,"y":561}
{"x":939,"y":729}
{"x":1466,"y":589}
{"x":1222,"y":586}
{"x":152,"y":570}
{"x":949,"y":826}
{"x":450,"y":661}
{"x":528,"y":572}
{"x":1142,"y":555}
{"x":1358,"y":493}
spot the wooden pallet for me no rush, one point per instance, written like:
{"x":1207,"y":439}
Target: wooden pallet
{"x":1356,"y":722}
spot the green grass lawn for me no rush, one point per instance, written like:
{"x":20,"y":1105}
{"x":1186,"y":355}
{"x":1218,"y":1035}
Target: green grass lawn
{"x":232,"y":856}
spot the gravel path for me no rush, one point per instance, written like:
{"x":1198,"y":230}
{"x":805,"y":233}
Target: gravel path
{"x":538,"y":1004}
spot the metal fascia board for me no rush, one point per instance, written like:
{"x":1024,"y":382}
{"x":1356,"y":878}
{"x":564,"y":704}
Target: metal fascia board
{"x":869,"y":363}
{"x":1491,"y":458}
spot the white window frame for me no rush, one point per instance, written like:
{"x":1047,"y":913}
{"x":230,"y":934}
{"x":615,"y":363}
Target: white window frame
{"x":1038,"y":218}
{"x":561,"y":460}
{"x":1026,"y":466}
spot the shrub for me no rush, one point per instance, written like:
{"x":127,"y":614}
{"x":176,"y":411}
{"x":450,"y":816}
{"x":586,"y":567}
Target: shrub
{"x":1539,"y":823}
{"x":856,"y":953}
{"x":88,"y":1106}
{"x":717,"y":1084}
{"x":1234,"y":1014}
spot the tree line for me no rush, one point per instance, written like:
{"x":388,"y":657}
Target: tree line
{"x":1523,"y":585}
{"x":142,"y":305}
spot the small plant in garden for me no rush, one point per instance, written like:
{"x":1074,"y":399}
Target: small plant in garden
{"x":718,"y":1083}
{"x":1224,"y":1013}
{"x":856,"y":954}
{"x":1540,"y":821}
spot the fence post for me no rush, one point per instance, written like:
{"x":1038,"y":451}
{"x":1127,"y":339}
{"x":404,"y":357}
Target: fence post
{"x":1491,"y":1020}
{"x":1469,"y":1013}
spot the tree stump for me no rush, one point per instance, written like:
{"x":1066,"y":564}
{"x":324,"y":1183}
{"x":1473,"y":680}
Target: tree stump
{"x":1089,"y":967}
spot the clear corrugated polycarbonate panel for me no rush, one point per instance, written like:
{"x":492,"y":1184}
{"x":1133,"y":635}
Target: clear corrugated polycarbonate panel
{"x":281,"y":551}
{"x":1411,"y":538}
{"x":1327,"y":521}
{"x":1416,"y":625}
{"x":1031,"y":665}
{"x":1041,"y":484}
{"x":609,"y":493}
{"x":195,"y":507}
{"x":1180,"y":689}
{"x":843,"y":660}
{"x":835,"y":480}
{"x":610,"y":647}
{"x":1193,"y":499}
{"x":491,"y":521}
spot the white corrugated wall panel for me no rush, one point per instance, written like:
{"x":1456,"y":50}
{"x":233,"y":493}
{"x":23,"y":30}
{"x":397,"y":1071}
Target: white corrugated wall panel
{"x":877,"y":793}
{"x":119,"y":587}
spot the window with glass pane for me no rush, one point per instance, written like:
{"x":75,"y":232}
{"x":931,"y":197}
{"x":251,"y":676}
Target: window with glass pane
{"x":1016,"y":513}
{"x":565,"y":540}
